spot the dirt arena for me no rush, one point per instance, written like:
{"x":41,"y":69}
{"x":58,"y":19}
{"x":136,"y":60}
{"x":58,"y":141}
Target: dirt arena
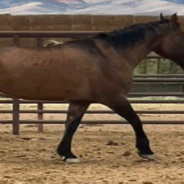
{"x":31,"y":157}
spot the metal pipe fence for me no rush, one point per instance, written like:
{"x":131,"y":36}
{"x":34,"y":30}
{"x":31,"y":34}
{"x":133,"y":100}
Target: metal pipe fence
{"x":16,"y":103}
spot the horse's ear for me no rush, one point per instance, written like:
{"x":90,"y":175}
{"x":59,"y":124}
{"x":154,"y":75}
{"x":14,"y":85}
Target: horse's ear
{"x":161,"y":16}
{"x":174,"y":18}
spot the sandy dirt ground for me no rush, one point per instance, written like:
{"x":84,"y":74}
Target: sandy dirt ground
{"x":31,"y":158}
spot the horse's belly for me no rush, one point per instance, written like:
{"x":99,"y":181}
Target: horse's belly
{"x":40,"y":87}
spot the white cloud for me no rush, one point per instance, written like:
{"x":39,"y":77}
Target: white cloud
{"x":141,"y":7}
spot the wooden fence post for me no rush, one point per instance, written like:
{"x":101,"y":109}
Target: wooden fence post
{"x":15,"y":124}
{"x":40,"y":117}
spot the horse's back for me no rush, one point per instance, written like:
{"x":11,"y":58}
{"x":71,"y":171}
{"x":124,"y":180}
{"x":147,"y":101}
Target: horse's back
{"x":69,"y":72}
{"x":49,"y":73}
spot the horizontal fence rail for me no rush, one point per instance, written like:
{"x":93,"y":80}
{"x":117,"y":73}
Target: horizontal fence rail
{"x":47,"y":34}
{"x":16,"y":122}
{"x":143,"y":78}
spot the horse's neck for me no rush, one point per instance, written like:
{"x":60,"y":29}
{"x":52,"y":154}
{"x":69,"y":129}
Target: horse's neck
{"x":140,"y":51}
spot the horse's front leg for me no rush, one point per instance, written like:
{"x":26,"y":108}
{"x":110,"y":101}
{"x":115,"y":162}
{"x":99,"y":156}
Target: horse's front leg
{"x":122,"y":107}
{"x":75,"y":113}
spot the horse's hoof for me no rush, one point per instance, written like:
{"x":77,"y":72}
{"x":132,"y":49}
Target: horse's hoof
{"x":72,"y":160}
{"x":146,"y":156}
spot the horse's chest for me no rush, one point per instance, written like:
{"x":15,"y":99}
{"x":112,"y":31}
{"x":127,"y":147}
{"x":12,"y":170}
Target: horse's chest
{"x":125,"y":85}
{"x":123,"y":81}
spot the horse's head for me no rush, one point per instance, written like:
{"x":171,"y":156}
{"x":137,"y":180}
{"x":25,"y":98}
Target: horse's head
{"x":172,"y":44}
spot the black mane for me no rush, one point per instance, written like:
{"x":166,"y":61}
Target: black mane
{"x":127,"y":36}
{"x":131,"y":35}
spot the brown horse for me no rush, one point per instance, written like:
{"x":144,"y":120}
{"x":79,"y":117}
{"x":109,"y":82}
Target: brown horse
{"x":97,"y":69}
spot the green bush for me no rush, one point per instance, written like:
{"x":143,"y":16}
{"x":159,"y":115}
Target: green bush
{"x":157,"y":66}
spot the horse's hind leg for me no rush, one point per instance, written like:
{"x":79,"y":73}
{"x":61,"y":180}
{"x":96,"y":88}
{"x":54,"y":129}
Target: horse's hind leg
{"x":74,"y":116}
{"x":123,"y":108}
